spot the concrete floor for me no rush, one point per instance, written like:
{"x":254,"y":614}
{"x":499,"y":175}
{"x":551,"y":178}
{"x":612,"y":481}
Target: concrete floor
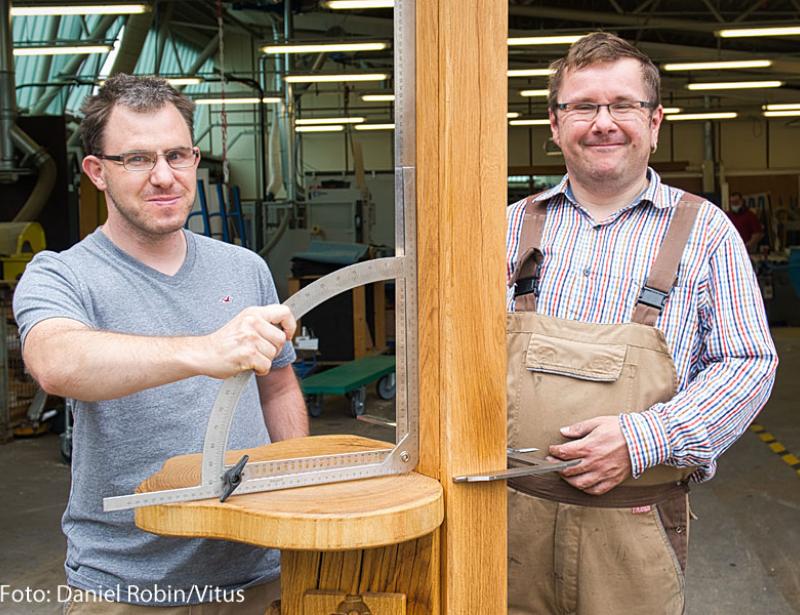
{"x":744,"y":548}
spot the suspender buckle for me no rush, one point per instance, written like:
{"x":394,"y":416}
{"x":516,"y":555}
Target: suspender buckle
{"x":652,"y":297}
{"x":526,"y":286}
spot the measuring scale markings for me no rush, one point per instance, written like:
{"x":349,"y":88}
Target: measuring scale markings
{"x":273,"y":475}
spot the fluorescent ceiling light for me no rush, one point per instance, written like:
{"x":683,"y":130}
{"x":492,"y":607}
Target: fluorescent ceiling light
{"x":330,"y":128}
{"x":512,"y":114}
{"x":329,"y":120}
{"x":530,"y":72}
{"x":785,"y":113}
{"x":77,"y":50}
{"x":184,"y":80}
{"x":171,"y":81}
{"x":677,"y":66}
{"x":545,"y":40}
{"x":324,"y":47}
{"x":378,"y":98}
{"x":236,"y":100}
{"x":374,"y":127}
{"x":534,"y":92}
{"x":781,"y":107}
{"x":340,"y":78}
{"x":734,"y":85}
{"x":747,"y":32}
{"x":338,"y":5}
{"x":96,"y":9}
{"x":726,"y":115}
{"x":668,"y":110}
{"x":530,"y":122}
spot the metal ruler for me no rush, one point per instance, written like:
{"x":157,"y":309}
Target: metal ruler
{"x":217,"y":479}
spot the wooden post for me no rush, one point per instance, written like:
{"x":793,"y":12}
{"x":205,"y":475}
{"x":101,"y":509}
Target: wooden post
{"x":461,"y":61}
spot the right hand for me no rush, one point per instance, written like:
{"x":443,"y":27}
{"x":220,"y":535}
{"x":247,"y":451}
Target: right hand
{"x":250,"y":341}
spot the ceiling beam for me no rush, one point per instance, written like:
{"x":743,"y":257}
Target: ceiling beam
{"x":630,"y":19}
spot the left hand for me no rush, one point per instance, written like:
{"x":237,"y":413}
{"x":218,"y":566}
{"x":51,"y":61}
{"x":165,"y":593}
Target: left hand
{"x":603,"y":452}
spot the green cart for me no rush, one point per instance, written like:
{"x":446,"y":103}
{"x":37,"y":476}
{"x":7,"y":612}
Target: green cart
{"x":351,"y":379}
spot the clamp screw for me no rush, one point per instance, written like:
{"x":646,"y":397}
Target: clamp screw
{"x":404,"y":456}
{"x":232,"y":478}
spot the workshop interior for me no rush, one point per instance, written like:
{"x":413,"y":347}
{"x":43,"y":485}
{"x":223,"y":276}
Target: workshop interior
{"x":305,"y":117}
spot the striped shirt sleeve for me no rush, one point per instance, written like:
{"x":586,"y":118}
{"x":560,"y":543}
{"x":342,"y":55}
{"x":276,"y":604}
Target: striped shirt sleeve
{"x":735,"y":367}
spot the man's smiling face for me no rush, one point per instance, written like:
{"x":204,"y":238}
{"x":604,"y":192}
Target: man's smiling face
{"x":605,"y":149}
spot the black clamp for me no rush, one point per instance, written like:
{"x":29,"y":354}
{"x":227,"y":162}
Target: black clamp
{"x":232,"y":478}
{"x":652,"y":297}
{"x":526,"y":286}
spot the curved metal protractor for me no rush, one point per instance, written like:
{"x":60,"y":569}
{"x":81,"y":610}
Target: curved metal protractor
{"x":262,"y":476}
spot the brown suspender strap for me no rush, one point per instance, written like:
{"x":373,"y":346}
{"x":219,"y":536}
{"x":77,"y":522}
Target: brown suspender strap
{"x":665,"y":268}
{"x":525,"y":278}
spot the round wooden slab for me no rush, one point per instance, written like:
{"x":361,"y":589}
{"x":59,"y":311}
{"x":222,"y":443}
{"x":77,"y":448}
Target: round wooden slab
{"x":358,"y":514}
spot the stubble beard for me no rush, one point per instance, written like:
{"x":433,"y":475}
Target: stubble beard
{"x":138,"y":223}
{"x":606,"y":179}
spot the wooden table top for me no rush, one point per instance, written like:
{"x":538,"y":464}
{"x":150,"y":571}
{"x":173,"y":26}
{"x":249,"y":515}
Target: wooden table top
{"x":340,"y":516}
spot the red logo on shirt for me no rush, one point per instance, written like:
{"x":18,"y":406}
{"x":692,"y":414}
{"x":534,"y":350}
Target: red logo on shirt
{"x":227,"y":299}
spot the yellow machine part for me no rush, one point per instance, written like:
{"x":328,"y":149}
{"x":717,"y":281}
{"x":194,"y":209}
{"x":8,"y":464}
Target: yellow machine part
{"x":19,"y":241}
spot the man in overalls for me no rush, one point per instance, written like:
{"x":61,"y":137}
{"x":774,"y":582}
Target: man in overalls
{"x":637,"y":344}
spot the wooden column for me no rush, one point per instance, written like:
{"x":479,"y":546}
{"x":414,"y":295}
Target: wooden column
{"x":461,"y":61}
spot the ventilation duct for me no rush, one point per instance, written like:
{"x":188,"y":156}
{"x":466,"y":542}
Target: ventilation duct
{"x":12,"y":135}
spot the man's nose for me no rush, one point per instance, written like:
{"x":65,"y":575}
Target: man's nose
{"x":162,"y":173}
{"x":603,"y":120}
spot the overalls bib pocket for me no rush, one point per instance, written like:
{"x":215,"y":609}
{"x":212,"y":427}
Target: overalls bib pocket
{"x":562,"y":381}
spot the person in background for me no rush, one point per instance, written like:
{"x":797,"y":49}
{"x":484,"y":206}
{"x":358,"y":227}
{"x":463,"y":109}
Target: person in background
{"x":745,"y":221}
{"x":137,"y":323}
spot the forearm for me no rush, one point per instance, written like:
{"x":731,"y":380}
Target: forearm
{"x":70,"y":359}
{"x":95,"y":365}
{"x":696,"y":426}
{"x":283,"y":405}
{"x":735,"y":369}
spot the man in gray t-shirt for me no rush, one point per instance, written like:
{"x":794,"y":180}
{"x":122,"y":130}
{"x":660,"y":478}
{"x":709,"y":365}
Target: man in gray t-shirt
{"x":137,"y":324}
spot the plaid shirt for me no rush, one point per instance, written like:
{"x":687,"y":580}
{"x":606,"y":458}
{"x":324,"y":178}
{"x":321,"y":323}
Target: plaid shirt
{"x":714,"y":320}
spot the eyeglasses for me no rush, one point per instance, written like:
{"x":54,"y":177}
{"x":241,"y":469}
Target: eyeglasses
{"x":621,"y":111}
{"x":177,"y":158}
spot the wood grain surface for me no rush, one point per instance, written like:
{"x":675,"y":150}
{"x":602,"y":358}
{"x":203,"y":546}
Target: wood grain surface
{"x":461,"y":61}
{"x":352,"y":515}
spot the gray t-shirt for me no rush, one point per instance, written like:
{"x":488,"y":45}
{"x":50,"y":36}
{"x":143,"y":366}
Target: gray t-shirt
{"x":119,"y":443}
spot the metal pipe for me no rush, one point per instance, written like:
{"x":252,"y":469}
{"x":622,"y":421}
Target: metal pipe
{"x":132,"y":43}
{"x":47,"y":175}
{"x":287,"y":216}
{"x":161,"y":40}
{"x":709,"y":181}
{"x":71,"y":68}
{"x":45,"y":62}
{"x":645,"y":22}
{"x":8,"y":100}
{"x":291,"y":137}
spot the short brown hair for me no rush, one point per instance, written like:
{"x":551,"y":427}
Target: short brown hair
{"x":600,"y":47}
{"x":141,"y":94}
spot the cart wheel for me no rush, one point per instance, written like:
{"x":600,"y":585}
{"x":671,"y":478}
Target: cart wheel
{"x":314,"y":405}
{"x":65,"y":447}
{"x":387,"y":386}
{"x":358,"y":400}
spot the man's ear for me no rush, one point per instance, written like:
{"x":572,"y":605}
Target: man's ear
{"x":554,"y":127}
{"x":93,"y":167}
{"x":655,"y":123}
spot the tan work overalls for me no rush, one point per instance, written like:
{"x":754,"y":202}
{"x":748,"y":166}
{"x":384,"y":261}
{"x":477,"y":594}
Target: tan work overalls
{"x":571,"y":552}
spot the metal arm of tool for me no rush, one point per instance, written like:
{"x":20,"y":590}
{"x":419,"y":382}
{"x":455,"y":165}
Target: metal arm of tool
{"x":532,"y":467}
